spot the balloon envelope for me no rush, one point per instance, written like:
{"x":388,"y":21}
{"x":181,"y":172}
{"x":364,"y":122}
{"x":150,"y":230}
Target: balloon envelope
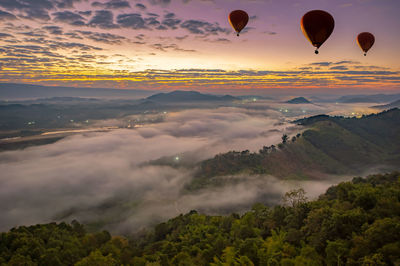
{"x":317,"y":26}
{"x":365,"y":40}
{"x":238,"y":20}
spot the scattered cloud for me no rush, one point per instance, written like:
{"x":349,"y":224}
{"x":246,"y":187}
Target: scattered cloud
{"x":69,"y":17}
{"x":55,"y":30}
{"x":321,"y":64}
{"x":171,"y":21}
{"x":113,"y":4}
{"x":6,"y":16}
{"x":133,"y":20}
{"x":103,"y":19}
{"x":36,"y":9}
{"x":339,"y":68}
{"x":203,"y":27}
{"x":140,"y":6}
{"x":67,"y":3}
{"x":174,"y":47}
{"x":107,"y":38}
{"x":160,"y":2}
{"x":5,"y":35}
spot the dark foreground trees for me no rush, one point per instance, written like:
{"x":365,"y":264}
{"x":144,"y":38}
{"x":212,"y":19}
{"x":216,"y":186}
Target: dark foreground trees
{"x":353,"y":223}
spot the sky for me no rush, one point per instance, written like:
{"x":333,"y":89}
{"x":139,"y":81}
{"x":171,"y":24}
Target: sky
{"x":189,"y":44}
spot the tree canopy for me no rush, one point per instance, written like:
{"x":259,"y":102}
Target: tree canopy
{"x":353,"y":223}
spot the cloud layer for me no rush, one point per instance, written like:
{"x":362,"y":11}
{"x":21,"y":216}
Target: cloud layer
{"x":104,"y":176}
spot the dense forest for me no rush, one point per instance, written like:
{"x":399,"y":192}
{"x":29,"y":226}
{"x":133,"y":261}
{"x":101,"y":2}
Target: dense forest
{"x":332,"y":145}
{"x":353,"y":223}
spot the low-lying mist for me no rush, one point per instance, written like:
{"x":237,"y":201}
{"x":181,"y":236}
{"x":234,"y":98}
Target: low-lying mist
{"x":103,"y":178}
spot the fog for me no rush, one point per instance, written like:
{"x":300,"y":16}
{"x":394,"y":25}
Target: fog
{"x":103,"y":178}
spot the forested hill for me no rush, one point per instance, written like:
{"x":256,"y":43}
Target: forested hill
{"x":353,"y":223}
{"x":332,"y":145}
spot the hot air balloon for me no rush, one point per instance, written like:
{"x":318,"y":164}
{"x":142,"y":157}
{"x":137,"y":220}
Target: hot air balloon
{"x":238,"y":20}
{"x":365,"y":40}
{"x":317,"y":26}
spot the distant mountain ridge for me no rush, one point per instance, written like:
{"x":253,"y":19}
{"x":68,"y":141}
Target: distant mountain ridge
{"x":188,"y":96}
{"x":298,"y":100}
{"x":375,"y":98}
{"x":395,"y":104}
{"x":13,"y":91}
{"x":329,"y":145}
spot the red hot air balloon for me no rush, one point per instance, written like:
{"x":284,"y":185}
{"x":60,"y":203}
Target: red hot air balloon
{"x":317,"y":26}
{"x":365,"y":40}
{"x":238,"y":20}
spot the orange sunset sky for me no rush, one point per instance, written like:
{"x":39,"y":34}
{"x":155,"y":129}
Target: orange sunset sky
{"x":189,"y":44}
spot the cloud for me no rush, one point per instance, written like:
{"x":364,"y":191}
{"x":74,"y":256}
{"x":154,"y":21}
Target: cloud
{"x":69,"y":17}
{"x":171,"y":21}
{"x":103,"y":19}
{"x":107,"y":38}
{"x":55,"y":30}
{"x":113,"y":4}
{"x":137,"y":21}
{"x":133,"y":20}
{"x":152,"y":21}
{"x":153,"y":15}
{"x":203,"y":27}
{"x":73,"y":45}
{"x":181,"y":38}
{"x":66,"y":3}
{"x":33,"y":9}
{"x":85,"y":13}
{"x":346,"y":62}
{"x":6,"y":16}
{"x":339,"y":68}
{"x":5,"y":35}
{"x":219,"y":40}
{"x":160,"y":2}
{"x":75,"y":177}
{"x":173,"y":46}
{"x":42,"y":54}
{"x":140,"y":6}
{"x":321,"y":64}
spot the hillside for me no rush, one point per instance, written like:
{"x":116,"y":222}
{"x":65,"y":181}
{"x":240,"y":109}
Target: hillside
{"x":395,"y":104}
{"x":353,"y":223}
{"x":331,"y":145}
{"x":188,"y":96}
{"x":298,"y":100}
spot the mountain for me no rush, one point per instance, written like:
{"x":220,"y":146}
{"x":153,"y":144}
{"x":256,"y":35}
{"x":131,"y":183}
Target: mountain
{"x":395,"y":104}
{"x":13,"y":91}
{"x":66,"y":112}
{"x":55,"y":100}
{"x":298,"y":100}
{"x":376,"y":98}
{"x":188,"y":96}
{"x":329,"y":145}
{"x":352,"y":223}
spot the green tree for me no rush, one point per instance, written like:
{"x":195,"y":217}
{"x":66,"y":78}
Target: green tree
{"x":336,"y":252}
{"x":228,"y":258}
{"x":97,"y":259}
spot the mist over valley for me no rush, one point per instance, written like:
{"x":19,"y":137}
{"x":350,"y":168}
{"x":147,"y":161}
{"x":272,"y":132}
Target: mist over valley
{"x":125,"y":165}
